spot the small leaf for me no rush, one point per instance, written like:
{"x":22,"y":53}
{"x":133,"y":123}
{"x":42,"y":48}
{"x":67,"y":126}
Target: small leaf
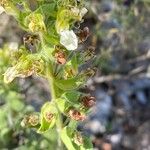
{"x":87,"y":144}
{"x":48,"y":116}
{"x":63,"y":105}
{"x":68,"y":84}
{"x":72,"y":97}
{"x":45,"y":125}
{"x":74,"y":63}
{"x":47,"y":10}
{"x":66,"y":137}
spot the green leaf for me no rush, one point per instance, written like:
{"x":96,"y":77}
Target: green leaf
{"x":45,"y":125}
{"x":74,"y":63}
{"x":66,"y":137}
{"x":72,"y":97}
{"x":67,"y":100}
{"x":68,"y":84}
{"x":47,"y":10}
{"x":62,"y":104}
{"x":87,"y":145}
{"x":48,"y":107}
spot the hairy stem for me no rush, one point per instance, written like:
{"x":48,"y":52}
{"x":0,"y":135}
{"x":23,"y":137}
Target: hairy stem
{"x":59,"y":122}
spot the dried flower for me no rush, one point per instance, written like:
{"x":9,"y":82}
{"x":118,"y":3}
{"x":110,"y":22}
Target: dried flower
{"x":27,"y":66}
{"x":77,"y":13}
{"x":83,"y":34}
{"x":88,"y":101}
{"x":60,"y":57}
{"x":76,"y":115}
{"x":89,"y":53}
{"x":48,"y":116}
{"x":89,"y":72}
{"x":30,"y":120}
{"x":3,"y":3}
{"x":35,"y":22}
{"x":78,"y":139}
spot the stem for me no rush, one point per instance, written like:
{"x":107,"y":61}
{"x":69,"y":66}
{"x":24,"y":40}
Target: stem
{"x":59,"y":122}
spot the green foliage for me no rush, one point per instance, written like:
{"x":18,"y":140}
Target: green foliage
{"x":46,"y":52}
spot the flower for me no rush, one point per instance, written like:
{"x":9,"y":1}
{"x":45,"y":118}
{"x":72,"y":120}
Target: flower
{"x":10,"y":74}
{"x":69,"y":39}
{"x":60,"y":57}
{"x":27,"y":66}
{"x":48,"y":116}
{"x":76,"y":115}
{"x":2,"y":9}
{"x":78,"y":139}
{"x":31,"y":120}
{"x":88,"y":101}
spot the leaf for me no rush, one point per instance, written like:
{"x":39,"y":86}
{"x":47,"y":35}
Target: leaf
{"x":47,"y":10}
{"x":66,"y":138}
{"x":68,"y":84}
{"x":87,"y":145}
{"x":62,"y":104}
{"x":48,"y":107}
{"x":67,"y":100}
{"x":74,"y":63}
{"x":72,"y":97}
{"x":45,"y":125}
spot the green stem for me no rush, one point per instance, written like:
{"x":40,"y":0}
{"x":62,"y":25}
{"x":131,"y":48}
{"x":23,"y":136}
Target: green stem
{"x":59,"y":122}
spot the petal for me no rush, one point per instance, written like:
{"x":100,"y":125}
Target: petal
{"x":10,"y":74}
{"x":1,"y":9}
{"x":83,"y":11}
{"x":69,"y":39}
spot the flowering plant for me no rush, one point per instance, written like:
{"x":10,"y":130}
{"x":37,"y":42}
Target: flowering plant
{"x":50,"y":50}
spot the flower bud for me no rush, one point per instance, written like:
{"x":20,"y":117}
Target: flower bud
{"x":76,"y":115}
{"x":88,"y":101}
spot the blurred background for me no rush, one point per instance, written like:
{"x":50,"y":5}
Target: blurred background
{"x":120,"y":120}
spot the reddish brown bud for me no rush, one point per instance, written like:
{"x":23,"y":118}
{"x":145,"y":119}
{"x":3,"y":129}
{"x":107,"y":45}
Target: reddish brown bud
{"x":60,"y":57}
{"x":76,"y":115}
{"x":88,"y":101}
